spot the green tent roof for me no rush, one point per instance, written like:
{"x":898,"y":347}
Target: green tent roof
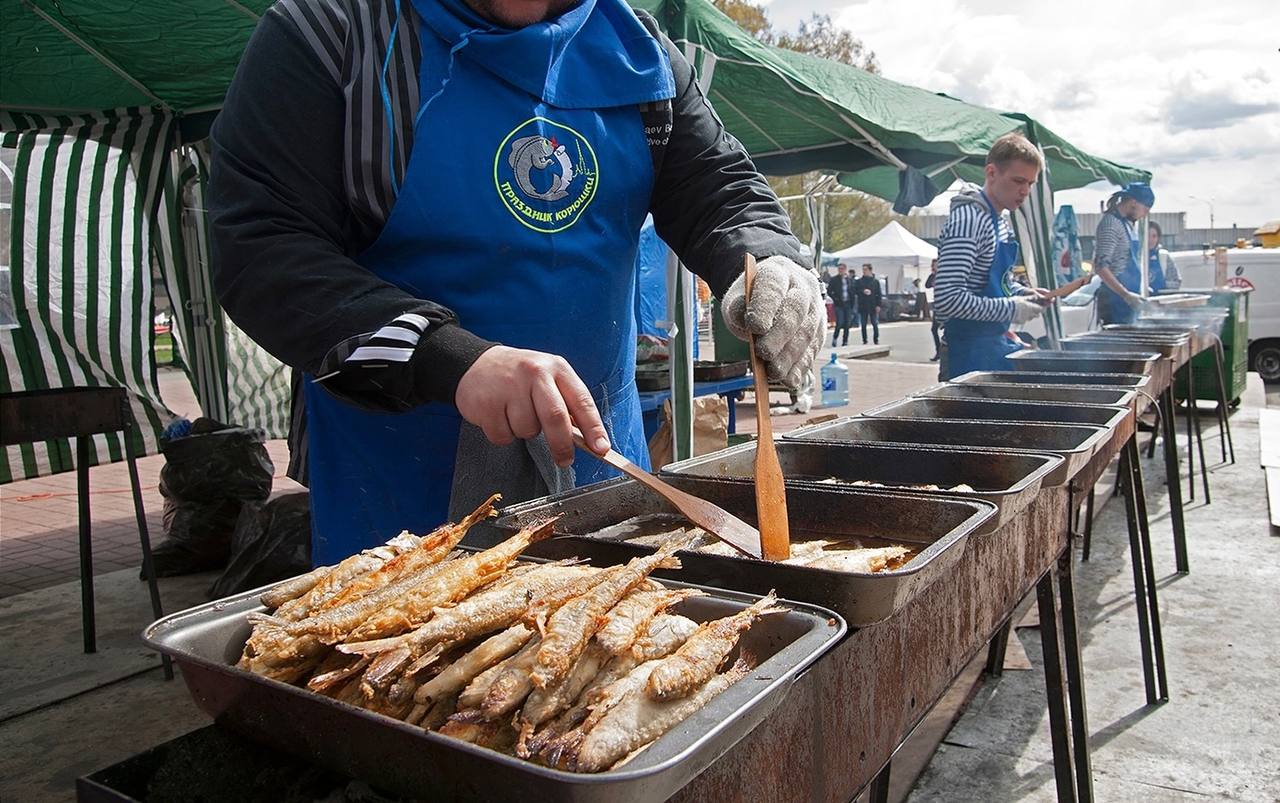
{"x":1069,"y":167}
{"x":796,"y":112}
{"x":91,"y":55}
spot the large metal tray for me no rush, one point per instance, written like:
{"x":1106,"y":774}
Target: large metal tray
{"x":1065,"y":394}
{"x":1177,"y":349}
{"x":1099,"y":415}
{"x":207,"y":640}
{"x":1075,"y":443}
{"x":940,"y":526}
{"x":1130,"y":381}
{"x":1008,"y":480}
{"x":1200,"y":337}
{"x":1094,"y":362}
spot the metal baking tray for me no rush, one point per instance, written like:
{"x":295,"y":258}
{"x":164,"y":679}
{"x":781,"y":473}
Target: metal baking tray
{"x":1008,"y":480}
{"x":1075,"y":443}
{"x":1199,"y":336}
{"x":1065,"y":394}
{"x":710,"y":371}
{"x":1177,"y":349}
{"x":938,"y":525}
{"x":1094,"y":362}
{"x":1131,"y":381}
{"x":206,"y":642}
{"x":651,"y":379}
{"x":994,"y":410}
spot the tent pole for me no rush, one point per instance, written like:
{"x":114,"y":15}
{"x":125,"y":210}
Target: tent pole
{"x":683,"y":330}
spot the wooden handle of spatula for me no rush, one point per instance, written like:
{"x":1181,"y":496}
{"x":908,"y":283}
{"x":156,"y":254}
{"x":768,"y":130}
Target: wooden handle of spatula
{"x":771,"y":495}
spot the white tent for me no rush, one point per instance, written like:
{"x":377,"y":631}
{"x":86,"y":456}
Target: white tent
{"x":895,"y":253}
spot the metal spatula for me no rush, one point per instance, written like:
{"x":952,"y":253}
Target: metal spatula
{"x":719,"y":522}
{"x":771,"y":494}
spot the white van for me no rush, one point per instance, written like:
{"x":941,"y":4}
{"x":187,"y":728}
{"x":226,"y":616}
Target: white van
{"x":1256,"y":269}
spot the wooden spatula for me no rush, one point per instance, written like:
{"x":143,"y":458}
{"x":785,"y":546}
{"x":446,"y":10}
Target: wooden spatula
{"x":719,"y":522}
{"x":771,"y":495}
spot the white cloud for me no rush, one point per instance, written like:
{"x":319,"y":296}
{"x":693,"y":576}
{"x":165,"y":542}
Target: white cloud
{"x":1186,"y":91}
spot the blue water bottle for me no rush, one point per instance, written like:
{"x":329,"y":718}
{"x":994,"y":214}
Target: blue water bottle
{"x":835,"y":384}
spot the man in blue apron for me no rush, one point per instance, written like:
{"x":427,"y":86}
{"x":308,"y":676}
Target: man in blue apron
{"x":976,"y":252}
{"x":431,"y":209}
{"x":1117,"y":250}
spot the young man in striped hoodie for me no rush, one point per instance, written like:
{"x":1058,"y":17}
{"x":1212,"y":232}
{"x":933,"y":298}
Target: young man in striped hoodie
{"x":973,"y":293}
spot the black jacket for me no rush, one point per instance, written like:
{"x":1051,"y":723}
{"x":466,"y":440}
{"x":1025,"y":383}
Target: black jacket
{"x":833,"y":289}
{"x":284,"y":229}
{"x":868,"y":302}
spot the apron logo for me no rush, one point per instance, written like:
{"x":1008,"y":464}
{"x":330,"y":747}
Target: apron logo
{"x":545,"y":174}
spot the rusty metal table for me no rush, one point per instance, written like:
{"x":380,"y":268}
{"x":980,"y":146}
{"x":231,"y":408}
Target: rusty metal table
{"x":844,"y":718}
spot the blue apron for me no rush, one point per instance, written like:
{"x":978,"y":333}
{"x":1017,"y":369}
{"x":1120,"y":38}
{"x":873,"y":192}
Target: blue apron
{"x":522,"y":216}
{"x":984,"y":345}
{"x":1155,"y":271}
{"x":1111,"y":307}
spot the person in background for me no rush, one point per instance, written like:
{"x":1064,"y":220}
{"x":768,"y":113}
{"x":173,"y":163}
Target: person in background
{"x":1116,"y":252}
{"x":1162,"y":274}
{"x":976,"y":254}
{"x":870,"y":297}
{"x":840,"y":291}
{"x":922,"y":300}
{"x":933,"y":313}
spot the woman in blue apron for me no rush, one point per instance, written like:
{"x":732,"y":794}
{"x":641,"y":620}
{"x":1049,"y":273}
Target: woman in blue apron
{"x":985,"y":345}
{"x":520,"y":209}
{"x":1126,"y":207}
{"x":1112,"y":307}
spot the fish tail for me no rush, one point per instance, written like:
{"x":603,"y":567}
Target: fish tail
{"x":373,"y":646}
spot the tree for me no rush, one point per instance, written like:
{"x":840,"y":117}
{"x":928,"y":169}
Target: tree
{"x":819,"y":36}
{"x":850,"y":217}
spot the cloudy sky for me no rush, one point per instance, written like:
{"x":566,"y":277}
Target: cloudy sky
{"x":1192,"y":95}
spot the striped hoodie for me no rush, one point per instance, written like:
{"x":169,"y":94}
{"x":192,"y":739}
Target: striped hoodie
{"x":965,"y":251}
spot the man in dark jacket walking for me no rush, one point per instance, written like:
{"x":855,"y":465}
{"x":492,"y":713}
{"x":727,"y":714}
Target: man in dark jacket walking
{"x":840,"y":291}
{"x":870,"y":298}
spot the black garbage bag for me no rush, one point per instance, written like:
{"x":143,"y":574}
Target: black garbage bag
{"x":272,"y":542}
{"x":207,"y":478}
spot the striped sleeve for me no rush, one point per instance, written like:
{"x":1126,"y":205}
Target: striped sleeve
{"x":1111,"y":244}
{"x":965,"y":251}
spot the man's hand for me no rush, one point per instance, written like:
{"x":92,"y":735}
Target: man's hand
{"x":1026,"y":309}
{"x":1134,"y":300}
{"x":513,"y":393}
{"x":786,"y":314}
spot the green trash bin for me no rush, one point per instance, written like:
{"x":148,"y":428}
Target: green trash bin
{"x":728,"y":347}
{"x":1235,"y":346}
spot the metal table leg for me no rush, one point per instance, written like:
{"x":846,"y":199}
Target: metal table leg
{"x":1139,"y":573}
{"x":1075,"y":677}
{"x":1174,"y":484}
{"x":1055,"y":687}
{"x":997,"y":648}
{"x":1220,"y":359}
{"x":1204,"y":465}
{"x":1152,"y":600}
{"x":87,"y":624}
{"x":880,"y":784}
{"x":144,"y":538}
{"x":1088,"y":525}
{"x":1191,"y":443}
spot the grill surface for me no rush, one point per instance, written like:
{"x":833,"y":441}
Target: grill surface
{"x":1008,"y":480}
{"x":938,"y":526}
{"x":207,"y":640}
{"x":1093,"y":362}
{"x":1066,"y":394}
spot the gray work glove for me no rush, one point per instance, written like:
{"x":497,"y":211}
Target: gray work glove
{"x":1135,"y":301}
{"x":786,"y":314}
{"x":1025,"y":309}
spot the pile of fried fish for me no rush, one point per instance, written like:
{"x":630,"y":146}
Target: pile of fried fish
{"x":569,"y":665}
